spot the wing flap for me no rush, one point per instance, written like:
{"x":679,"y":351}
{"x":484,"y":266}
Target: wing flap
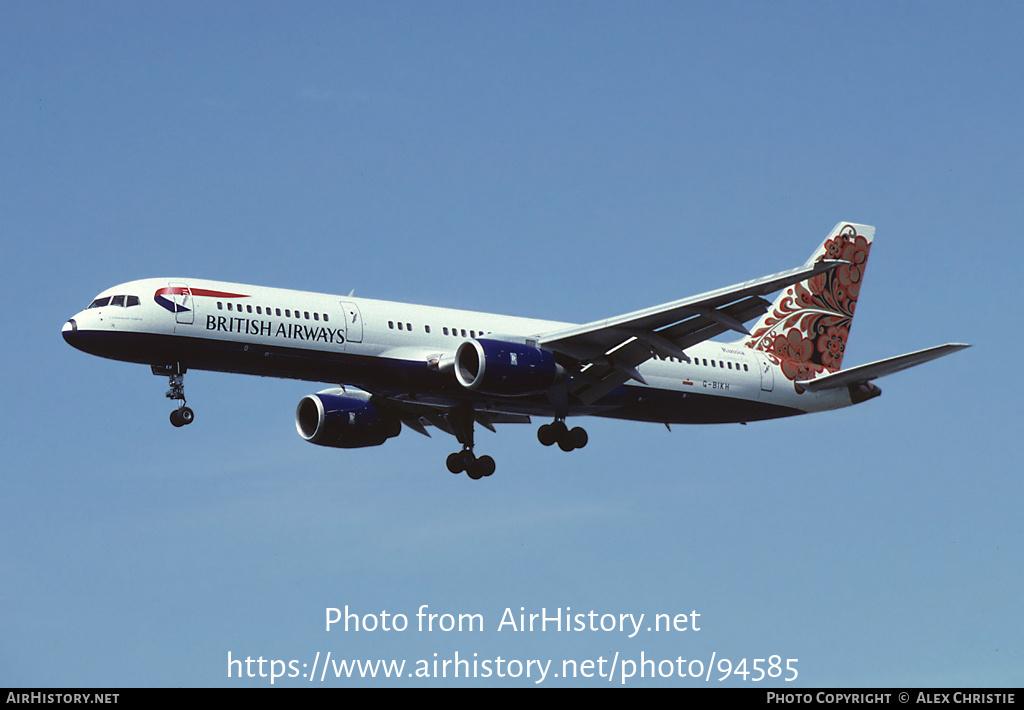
{"x":447,"y":418}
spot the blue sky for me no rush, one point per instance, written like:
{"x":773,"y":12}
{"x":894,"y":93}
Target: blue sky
{"x":564,"y":160}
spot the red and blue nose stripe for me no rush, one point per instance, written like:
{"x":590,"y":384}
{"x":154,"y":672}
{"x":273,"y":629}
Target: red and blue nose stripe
{"x":161,"y":296}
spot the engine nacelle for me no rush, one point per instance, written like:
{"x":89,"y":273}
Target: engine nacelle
{"x":499,"y":367}
{"x":345,"y":420}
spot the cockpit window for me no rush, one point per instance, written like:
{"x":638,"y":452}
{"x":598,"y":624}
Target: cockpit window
{"x":121,"y":300}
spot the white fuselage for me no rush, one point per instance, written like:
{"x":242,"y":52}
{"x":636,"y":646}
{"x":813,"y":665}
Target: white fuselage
{"x":393,"y":349}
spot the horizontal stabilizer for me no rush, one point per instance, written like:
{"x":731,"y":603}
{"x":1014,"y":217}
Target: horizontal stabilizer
{"x":874,"y":370}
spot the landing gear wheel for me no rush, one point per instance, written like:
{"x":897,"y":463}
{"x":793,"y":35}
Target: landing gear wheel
{"x":546,"y":434}
{"x":454,"y":462}
{"x":182,"y":416}
{"x":485,"y":464}
{"x":578,"y":436}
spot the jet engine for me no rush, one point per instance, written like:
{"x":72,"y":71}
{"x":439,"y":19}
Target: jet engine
{"x":499,"y":367}
{"x":344,"y":419}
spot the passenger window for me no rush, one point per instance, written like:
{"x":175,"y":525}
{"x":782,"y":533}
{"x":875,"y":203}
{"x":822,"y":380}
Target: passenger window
{"x":316,"y":316}
{"x":326,"y":318}
{"x":277,"y":311}
{"x":426,"y":328}
{"x":391,"y":324}
{"x":306,"y":313}
{"x":445,"y":330}
{"x":230,"y":307}
{"x":399,"y":325}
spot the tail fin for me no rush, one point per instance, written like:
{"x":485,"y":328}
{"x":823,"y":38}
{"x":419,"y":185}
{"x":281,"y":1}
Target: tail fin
{"x":807,"y":327}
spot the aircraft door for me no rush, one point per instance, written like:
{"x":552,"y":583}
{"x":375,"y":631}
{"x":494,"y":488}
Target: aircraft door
{"x":353,"y":322}
{"x":184,"y":310}
{"x":767,"y":372}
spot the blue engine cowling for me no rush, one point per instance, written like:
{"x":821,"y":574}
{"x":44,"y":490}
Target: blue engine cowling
{"x":499,"y":367}
{"x":345,"y":420}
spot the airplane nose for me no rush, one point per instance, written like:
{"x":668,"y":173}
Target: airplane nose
{"x":69,"y":331}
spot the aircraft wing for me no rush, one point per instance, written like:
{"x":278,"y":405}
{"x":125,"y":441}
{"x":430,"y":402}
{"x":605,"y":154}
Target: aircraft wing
{"x":451,"y":419}
{"x":609,"y":351}
{"x":880,"y":368}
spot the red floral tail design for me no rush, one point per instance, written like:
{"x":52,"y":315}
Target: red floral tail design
{"x":807,"y":328}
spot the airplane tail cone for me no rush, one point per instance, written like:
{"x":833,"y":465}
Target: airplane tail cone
{"x":807,"y":328}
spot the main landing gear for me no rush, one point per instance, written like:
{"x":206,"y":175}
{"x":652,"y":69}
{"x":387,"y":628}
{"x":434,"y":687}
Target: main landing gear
{"x":176,"y":377}
{"x":558,"y":433}
{"x":461,"y":424}
{"x":466,"y":460}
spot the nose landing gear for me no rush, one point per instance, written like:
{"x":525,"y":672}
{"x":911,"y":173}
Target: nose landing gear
{"x":175,"y":375}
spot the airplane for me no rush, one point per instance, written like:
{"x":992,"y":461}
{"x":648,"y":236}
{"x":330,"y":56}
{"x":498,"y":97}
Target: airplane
{"x":395,"y":364}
